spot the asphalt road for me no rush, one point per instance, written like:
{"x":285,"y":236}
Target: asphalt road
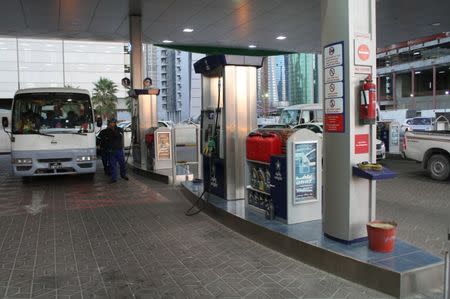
{"x":420,"y":205}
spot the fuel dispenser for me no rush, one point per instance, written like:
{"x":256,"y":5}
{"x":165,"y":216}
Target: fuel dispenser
{"x":228,"y":115}
{"x":144,"y":119}
{"x":388,"y":131}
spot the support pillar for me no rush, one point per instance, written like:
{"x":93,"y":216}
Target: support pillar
{"x":144,"y":108}
{"x":349,"y":55}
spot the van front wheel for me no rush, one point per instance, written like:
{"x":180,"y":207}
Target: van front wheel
{"x":439,"y":167}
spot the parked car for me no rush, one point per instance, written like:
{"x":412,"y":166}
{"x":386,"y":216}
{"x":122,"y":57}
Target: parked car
{"x":432,"y":149}
{"x":419,"y":124}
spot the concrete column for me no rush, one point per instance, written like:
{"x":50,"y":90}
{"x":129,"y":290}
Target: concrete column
{"x":136,"y":51}
{"x":394,"y":91}
{"x":434,"y":87}
{"x":144,"y":109}
{"x":349,"y":48}
{"x":413,"y":89}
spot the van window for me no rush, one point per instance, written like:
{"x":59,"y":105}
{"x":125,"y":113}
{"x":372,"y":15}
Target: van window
{"x":421,"y":121}
{"x":289,"y":117}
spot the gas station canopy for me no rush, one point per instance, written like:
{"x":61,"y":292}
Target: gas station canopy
{"x":218,"y":23}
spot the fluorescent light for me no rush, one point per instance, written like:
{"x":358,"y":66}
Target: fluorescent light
{"x":418,"y":72}
{"x":436,"y":24}
{"x":441,"y":72}
{"x":188,"y":30}
{"x":416,"y":53}
{"x":252,"y":46}
{"x":167,"y":41}
{"x":281,"y":37}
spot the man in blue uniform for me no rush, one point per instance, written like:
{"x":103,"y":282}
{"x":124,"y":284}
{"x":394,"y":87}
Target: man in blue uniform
{"x":115,"y":146}
{"x":104,"y":151}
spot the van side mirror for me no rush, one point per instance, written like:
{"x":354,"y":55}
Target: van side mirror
{"x":99,"y":122}
{"x":5,"y":122}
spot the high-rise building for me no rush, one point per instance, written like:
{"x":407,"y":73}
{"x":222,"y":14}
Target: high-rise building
{"x":196,"y":87}
{"x":177,"y":82}
{"x":288,"y":80}
{"x":302,"y":77}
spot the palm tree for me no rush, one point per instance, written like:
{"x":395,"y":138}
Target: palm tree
{"x":129,"y":103}
{"x":104,"y":97}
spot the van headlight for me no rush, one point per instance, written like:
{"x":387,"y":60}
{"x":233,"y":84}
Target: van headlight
{"x":85,"y":158}
{"x":23,"y":161}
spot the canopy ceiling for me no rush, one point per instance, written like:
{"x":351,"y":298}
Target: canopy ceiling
{"x":216,"y":23}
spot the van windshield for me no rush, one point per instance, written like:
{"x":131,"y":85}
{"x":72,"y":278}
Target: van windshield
{"x":52,"y":113}
{"x":296,"y":116}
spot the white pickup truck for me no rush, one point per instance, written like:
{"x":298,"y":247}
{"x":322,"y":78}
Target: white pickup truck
{"x":432,"y":149}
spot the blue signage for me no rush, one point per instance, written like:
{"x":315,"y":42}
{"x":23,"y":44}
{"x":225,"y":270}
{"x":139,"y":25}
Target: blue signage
{"x":305,"y":172}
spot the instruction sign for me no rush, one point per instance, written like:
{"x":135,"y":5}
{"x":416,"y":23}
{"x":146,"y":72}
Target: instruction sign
{"x":305,"y":172}
{"x":334,"y":85}
{"x":361,"y":144}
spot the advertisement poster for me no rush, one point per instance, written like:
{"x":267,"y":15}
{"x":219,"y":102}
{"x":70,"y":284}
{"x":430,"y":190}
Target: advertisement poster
{"x":163,"y":146}
{"x":305,"y":172}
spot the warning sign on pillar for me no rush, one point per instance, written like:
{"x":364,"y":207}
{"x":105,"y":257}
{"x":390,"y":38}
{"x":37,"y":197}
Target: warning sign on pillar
{"x":334,"y":87}
{"x":334,"y":123}
{"x":363,"y":51}
{"x":362,"y":144}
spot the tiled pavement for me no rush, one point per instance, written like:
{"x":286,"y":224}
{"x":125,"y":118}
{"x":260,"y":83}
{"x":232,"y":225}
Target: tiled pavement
{"x":74,"y":237}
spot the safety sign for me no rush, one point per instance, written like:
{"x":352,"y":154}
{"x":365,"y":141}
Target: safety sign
{"x":334,"y":97}
{"x":363,"y":51}
{"x":334,"y":106}
{"x":361,"y":143}
{"x":334,"y":74}
{"x":333,"y":55}
{"x":334,"y":90}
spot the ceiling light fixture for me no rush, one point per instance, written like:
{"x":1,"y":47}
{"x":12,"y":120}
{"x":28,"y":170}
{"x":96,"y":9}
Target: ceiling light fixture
{"x":281,"y":37}
{"x":436,"y":24}
{"x":252,"y":46}
{"x":418,"y":72}
{"x":441,"y":72}
{"x":167,"y":41}
{"x":416,"y":53}
{"x":188,"y":30}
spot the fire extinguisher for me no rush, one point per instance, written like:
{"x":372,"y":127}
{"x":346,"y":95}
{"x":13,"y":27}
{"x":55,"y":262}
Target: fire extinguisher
{"x":368,"y":105}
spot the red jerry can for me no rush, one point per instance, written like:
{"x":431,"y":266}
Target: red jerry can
{"x":253,"y":144}
{"x":271,"y":145}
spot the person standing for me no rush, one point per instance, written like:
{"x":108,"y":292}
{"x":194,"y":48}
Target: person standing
{"x":104,"y":151}
{"x":115,"y":145}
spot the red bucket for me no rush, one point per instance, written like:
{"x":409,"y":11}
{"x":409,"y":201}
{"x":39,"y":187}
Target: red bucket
{"x":381,"y":235}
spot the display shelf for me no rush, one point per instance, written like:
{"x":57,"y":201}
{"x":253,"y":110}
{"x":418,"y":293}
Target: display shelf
{"x":258,"y":162}
{"x":383,"y":174}
{"x":257,"y":190}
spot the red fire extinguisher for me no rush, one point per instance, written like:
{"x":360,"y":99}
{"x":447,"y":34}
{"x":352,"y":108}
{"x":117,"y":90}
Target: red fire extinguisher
{"x":368,"y":105}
